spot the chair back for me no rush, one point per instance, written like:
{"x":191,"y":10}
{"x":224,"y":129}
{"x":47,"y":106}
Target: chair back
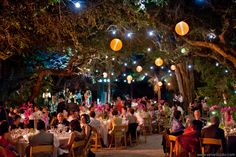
{"x":119,"y":133}
{"x":3,"y":152}
{"x":172,"y":140}
{"x":96,"y":138}
{"x":210,"y":141}
{"x":41,"y":149}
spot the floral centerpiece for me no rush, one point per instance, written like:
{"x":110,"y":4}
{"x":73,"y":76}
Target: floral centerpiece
{"x":27,"y":108}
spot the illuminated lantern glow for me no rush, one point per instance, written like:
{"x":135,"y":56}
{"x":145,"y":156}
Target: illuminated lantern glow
{"x":139,"y":68}
{"x":182,"y":28}
{"x":159,"y":61}
{"x":173,"y":67}
{"x":116,"y":44}
{"x":159,"y":84}
{"x":105,"y":75}
{"x":129,"y":78}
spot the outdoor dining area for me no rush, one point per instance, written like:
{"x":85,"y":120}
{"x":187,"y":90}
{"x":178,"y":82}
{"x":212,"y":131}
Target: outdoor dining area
{"x":84,"y":131}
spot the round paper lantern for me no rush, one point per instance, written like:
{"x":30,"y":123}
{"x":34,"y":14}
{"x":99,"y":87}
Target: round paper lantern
{"x":129,"y":78}
{"x":139,"y":68}
{"x":181,"y":28}
{"x":105,"y":75}
{"x":173,"y":67}
{"x":159,"y":84}
{"x":159,"y":61}
{"x":116,"y":44}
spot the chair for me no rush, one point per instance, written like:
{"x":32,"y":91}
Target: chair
{"x":76,"y":145}
{"x":210,"y":141}
{"x":119,"y":132}
{"x":2,"y":151}
{"x":41,"y":149}
{"x":96,"y":138}
{"x":147,"y":124}
{"x":172,"y":140}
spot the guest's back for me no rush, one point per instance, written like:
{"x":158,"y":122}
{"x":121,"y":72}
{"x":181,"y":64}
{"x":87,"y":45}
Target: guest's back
{"x":213,"y":131}
{"x":42,"y":138}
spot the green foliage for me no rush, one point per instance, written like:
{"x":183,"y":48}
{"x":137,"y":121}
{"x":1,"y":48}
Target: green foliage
{"x":215,"y":82}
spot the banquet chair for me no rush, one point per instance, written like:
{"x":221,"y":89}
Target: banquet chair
{"x":210,"y":141}
{"x":41,"y":149}
{"x":119,"y":132}
{"x":96,"y":139}
{"x":147,"y":124}
{"x":2,"y":152}
{"x":80,"y":148}
{"x":75,"y":146}
{"x":172,"y":140}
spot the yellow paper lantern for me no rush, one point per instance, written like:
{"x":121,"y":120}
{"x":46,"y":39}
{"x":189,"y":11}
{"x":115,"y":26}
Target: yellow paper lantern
{"x":129,"y":78}
{"x":159,"y":61}
{"x":181,"y":28}
{"x":139,"y":68}
{"x":116,"y":44}
{"x":173,"y":67}
{"x":159,"y":83}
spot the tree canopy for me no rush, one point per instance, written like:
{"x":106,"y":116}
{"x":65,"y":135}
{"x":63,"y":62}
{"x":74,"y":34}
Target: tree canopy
{"x":78,"y":39}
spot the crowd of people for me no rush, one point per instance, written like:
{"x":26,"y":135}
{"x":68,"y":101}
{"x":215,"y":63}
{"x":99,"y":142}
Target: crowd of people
{"x":80,"y":118}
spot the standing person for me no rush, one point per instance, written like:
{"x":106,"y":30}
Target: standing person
{"x":47,"y":96}
{"x":119,"y":104}
{"x":127,"y":101}
{"x":61,"y":105}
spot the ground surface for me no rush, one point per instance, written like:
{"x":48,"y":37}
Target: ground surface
{"x":152,"y":148}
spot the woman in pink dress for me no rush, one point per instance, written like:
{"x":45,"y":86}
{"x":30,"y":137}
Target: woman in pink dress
{"x":6,"y":140}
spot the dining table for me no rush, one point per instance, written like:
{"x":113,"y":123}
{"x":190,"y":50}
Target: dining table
{"x":60,"y":138}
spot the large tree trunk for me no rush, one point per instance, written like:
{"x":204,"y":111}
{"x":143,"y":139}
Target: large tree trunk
{"x":185,"y":82}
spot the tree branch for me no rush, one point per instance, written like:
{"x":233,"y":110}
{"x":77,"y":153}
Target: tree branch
{"x":214,"y":48}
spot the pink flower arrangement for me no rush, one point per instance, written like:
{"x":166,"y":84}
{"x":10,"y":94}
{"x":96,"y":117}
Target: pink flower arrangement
{"x":28,"y":110}
{"x":214,"y":107}
{"x":228,"y":108}
{"x":99,"y":108}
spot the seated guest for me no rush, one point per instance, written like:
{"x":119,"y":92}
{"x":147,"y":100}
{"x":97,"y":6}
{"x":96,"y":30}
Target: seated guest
{"x":71,"y":116}
{"x":60,"y":120}
{"x":177,"y":127}
{"x":93,"y":121}
{"x":116,"y":120}
{"x":6,"y":140}
{"x":188,"y":143}
{"x":145,"y":113}
{"x":37,"y":112}
{"x":124,"y":112}
{"x":16,"y":123}
{"x":213,"y":131}
{"x":42,"y":138}
{"x":76,"y":134}
{"x":85,"y":120}
{"x":200,"y":123}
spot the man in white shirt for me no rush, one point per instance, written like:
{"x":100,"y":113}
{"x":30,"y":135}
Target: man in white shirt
{"x":93,"y":121}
